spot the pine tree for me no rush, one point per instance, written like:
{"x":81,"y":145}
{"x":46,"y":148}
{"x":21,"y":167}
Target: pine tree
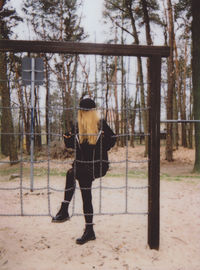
{"x":182,"y":14}
{"x":171,"y":84}
{"x":8,"y":19}
{"x":58,"y":20}
{"x":135,"y":14}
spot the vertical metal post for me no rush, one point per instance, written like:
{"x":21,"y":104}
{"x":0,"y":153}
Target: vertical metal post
{"x":21,"y":125}
{"x":154,"y":155}
{"x":48,"y":150}
{"x":32,"y":120}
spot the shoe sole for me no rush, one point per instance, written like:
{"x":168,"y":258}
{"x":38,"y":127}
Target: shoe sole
{"x":82,"y":243}
{"x":60,"y":221}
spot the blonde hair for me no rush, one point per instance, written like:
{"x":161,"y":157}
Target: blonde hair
{"x":88,"y":124}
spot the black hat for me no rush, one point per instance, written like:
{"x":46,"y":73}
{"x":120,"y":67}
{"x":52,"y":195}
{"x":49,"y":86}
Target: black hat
{"x":87,"y":104}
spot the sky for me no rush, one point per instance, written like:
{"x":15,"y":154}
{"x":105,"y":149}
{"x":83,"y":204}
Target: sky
{"x":92,"y":20}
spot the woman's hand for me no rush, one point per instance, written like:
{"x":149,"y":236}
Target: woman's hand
{"x":67,"y":136}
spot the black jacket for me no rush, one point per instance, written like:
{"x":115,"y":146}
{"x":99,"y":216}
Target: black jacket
{"x":92,"y":160}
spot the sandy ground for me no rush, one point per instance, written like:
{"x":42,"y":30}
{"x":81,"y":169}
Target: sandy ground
{"x":36,"y":243}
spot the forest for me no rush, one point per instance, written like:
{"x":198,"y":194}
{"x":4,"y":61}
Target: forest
{"x":119,"y":85}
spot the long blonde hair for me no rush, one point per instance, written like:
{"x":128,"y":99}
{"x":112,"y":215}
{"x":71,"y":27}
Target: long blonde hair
{"x":88,"y":124}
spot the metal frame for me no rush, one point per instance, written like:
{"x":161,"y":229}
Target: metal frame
{"x":155,"y":53}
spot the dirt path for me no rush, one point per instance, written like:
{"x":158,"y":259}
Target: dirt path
{"x":35,"y":243}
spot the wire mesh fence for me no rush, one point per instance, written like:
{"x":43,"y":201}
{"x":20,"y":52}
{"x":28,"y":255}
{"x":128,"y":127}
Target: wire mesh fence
{"x":42,"y":173}
{"x":68,"y":52}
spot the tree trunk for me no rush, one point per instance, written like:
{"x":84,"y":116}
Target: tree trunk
{"x":3,"y":90}
{"x":149,"y":42}
{"x":178,"y":90}
{"x":169,"y":142}
{"x":116,"y":101}
{"x":191,"y":116}
{"x":123,"y":107}
{"x":183,"y":98}
{"x":38,"y":138}
{"x":107,"y":90}
{"x":140,"y":72}
{"x":133,"y":117}
{"x":27,"y":122}
{"x":23,"y":110}
{"x":8,"y":141}
{"x":196,"y":77}
{"x":143,"y":102}
{"x":175,"y":116}
{"x":68,"y":76}
{"x":133,"y":114}
{"x":47,"y":98}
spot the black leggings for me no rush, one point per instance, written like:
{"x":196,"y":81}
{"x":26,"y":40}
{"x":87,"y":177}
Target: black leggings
{"x":86,"y":192}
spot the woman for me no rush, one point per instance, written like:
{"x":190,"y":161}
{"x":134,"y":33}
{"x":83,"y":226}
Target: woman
{"x":91,"y":140}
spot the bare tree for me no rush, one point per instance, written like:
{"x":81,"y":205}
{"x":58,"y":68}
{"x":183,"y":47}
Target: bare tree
{"x":171,"y":84}
{"x":8,"y":141}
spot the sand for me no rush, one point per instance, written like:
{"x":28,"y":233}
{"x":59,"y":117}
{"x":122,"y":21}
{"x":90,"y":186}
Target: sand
{"x":35,"y":243}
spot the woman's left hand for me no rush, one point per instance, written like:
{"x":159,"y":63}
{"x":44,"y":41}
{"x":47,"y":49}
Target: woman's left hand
{"x":67,"y":136}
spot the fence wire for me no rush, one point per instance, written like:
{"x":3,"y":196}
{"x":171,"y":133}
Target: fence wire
{"x":25,"y":190}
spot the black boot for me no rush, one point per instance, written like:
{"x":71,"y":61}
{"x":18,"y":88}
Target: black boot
{"x":62,"y":214}
{"x":88,"y":235}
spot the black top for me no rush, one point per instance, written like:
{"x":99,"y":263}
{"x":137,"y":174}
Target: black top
{"x":97,"y":153}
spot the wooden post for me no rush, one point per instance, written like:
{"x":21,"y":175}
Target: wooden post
{"x":155,"y":53}
{"x":154,"y":154}
{"x":82,"y":48}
